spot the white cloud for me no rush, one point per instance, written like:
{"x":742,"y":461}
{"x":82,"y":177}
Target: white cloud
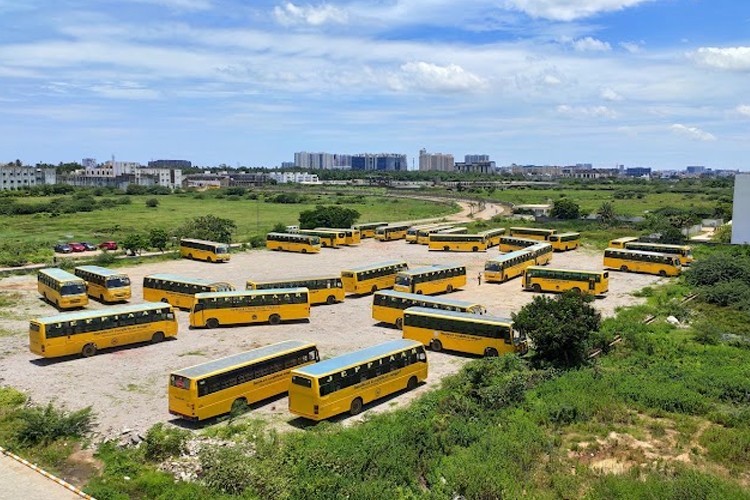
{"x":589,"y":44}
{"x":610,"y":95}
{"x":632,"y":47}
{"x":727,"y":58}
{"x":569,"y":10}
{"x":692,"y":132}
{"x":189,"y":5}
{"x":586,"y":111}
{"x":294,"y":15}
{"x":125,"y":90}
{"x":743,"y":109}
{"x":431,"y":77}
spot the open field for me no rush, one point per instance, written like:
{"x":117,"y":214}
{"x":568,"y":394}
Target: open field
{"x":127,"y":387}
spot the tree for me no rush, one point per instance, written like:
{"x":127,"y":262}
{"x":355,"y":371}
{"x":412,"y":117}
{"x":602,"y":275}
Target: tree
{"x":565,"y":209}
{"x":152,"y":203}
{"x":279,"y":227}
{"x":607,"y":213}
{"x":560,"y":328}
{"x":208,"y":227}
{"x":328,"y":216}
{"x":134,"y":243}
{"x":158,"y":238}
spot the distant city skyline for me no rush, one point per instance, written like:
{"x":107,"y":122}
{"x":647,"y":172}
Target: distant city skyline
{"x":642,"y":83}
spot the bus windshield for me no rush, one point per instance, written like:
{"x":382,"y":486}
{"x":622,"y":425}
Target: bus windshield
{"x":73,"y":289}
{"x":222,"y":249}
{"x":403,"y":280}
{"x":118,"y":282}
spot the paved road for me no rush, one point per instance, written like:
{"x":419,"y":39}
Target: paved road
{"x":17,"y":481}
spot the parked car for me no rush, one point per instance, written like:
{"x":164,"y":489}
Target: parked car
{"x":108,"y":245}
{"x":63,"y":248}
{"x":76,"y":247}
{"x":89,"y":246}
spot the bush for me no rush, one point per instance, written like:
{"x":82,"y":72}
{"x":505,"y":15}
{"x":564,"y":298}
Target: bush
{"x":44,"y":425}
{"x":226,"y":469}
{"x":161,"y":443}
{"x":152,"y":203}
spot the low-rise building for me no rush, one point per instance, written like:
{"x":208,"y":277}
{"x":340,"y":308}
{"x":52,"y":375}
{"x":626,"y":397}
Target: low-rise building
{"x":15,"y":177}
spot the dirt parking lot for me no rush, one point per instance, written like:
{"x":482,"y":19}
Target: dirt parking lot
{"x":127,"y":388}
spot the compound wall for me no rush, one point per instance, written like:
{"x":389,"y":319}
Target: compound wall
{"x":741,"y":212}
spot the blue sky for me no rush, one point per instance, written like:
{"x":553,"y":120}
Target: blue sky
{"x":659,"y":83}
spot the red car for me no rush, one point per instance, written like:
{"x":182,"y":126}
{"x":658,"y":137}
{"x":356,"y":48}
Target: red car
{"x":77,"y":247}
{"x":108,"y":245}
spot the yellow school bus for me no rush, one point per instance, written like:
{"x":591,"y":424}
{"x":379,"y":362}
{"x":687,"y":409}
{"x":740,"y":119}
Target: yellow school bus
{"x":620,"y":242}
{"x":350,"y":381}
{"x":351,"y":236}
{"x":463,"y":332}
{"x":542,"y":253}
{"x":104,"y":284}
{"x":87,"y":332}
{"x":413,"y":231}
{"x":562,"y":242}
{"x":64,"y":290}
{"x":323,"y":289}
{"x":507,"y":266}
{"x":328,"y":239}
{"x":388,"y":306}
{"x":209,"y":251}
{"x":423,"y":235}
{"x":533,"y":233}
{"x":636,"y":261}
{"x":448,"y":242}
{"x":545,"y":279}
{"x":367,"y":229}
{"x":511,"y":244}
{"x":372,"y":277}
{"x":683,"y":252}
{"x":293,"y":242}
{"x":430,"y":280}
{"x":493,"y":236}
{"x":214,"y":309}
{"x":231,"y":383}
{"x":179,"y":291}
{"x":391,"y":232}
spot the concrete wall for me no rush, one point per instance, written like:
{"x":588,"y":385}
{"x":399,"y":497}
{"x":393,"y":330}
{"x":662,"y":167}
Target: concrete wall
{"x":741,"y":212}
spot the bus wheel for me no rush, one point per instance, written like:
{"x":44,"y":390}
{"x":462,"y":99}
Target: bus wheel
{"x":536,"y":287}
{"x":419,"y":292}
{"x":208,"y":259}
{"x":190,"y":256}
{"x":356,"y":407}
{"x":436,"y":345}
{"x":164,"y":299}
{"x":157,"y":337}
{"x":576,"y":290}
{"x":663,"y":273}
{"x":449,"y":288}
{"x":374,"y":288}
{"x":274,"y":319}
{"x":304,"y":250}
{"x":88,"y":350}
{"x":331,"y":300}
{"x":624,"y":269}
{"x":412,"y":384}
{"x":212,"y":323}
{"x":400,"y":323}
{"x":446,"y":248}
{"x":474,"y":249}
{"x":239,"y":406}
{"x":490,"y":352}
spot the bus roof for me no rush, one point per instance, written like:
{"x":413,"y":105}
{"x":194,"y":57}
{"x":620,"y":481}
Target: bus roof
{"x":569,"y":233}
{"x":659,"y":245}
{"x":458,"y":315}
{"x":220,"y":364}
{"x":426,"y":298}
{"x":639,"y":252}
{"x":306,"y":278}
{"x":355,"y":358}
{"x":625,"y":238}
{"x":124,"y":309}
{"x":208,"y":242}
{"x":496,"y":230}
{"x":376,"y":265}
{"x":427,"y":269}
{"x":510,"y":255}
{"x":275,"y":291}
{"x":533,"y":229}
{"x":182,"y":279}
{"x":560,"y":270}
{"x":100,"y":270}
{"x":537,"y":246}
{"x":60,"y":274}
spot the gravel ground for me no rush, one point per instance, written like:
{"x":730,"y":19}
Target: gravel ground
{"x":127,"y":388}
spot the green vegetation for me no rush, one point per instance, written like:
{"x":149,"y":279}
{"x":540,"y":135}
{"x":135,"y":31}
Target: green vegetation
{"x":328,"y":216}
{"x":565,"y":208}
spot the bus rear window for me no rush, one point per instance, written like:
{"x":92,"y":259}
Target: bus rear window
{"x":347,"y":274}
{"x":179,"y":382}
{"x":34,"y":327}
{"x":303,"y":381}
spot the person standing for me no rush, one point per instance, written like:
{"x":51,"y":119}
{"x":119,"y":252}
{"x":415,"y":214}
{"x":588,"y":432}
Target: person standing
{"x":479,"y":278}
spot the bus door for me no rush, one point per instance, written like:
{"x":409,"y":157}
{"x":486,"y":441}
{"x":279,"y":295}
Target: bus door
{"x":592,"y":284}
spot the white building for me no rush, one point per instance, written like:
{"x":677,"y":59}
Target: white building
{"x":294,"y":177}
{"x":15,"y":177}
{"x":167,"y":177}
{"x":741,"y":210}
{"x":436,"y":161}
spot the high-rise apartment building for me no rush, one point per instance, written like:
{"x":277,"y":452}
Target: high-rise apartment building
{"x":436,"y":161}
{"x":380,"y":162}
{"x":322,"y":161}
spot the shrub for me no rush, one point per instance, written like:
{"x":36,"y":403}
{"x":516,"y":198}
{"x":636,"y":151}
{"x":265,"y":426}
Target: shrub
{"x":226,"y":469}
{"x":44,"y":425}
{"x":152,"y":203}
{"x":161,"y":442}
